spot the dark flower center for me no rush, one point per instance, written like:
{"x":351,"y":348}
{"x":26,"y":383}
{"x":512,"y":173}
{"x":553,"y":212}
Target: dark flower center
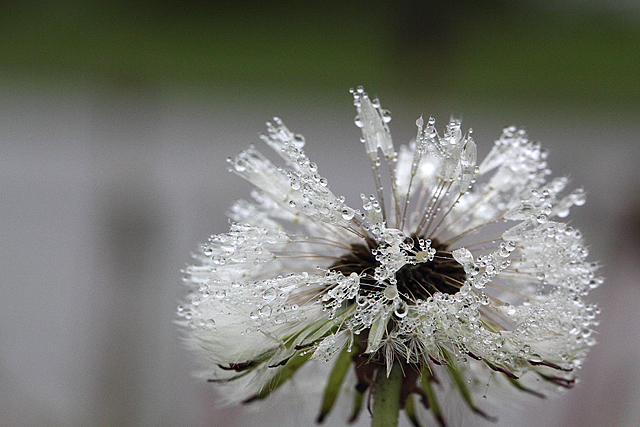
{"x":417,"y":281}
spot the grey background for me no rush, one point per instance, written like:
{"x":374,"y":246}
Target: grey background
{"x":108,"y":181}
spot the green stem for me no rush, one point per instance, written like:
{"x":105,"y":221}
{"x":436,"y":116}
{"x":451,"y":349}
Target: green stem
{"x":386,"y":397}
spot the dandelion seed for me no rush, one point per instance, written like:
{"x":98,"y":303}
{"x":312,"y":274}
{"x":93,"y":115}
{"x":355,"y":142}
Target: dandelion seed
{"x":461,"y":266}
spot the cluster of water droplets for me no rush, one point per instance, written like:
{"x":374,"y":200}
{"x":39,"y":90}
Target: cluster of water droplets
{"x":251,"y":165}
{"x":519,"y":162}
{"x":485,"y":268}
{"x":315,"y":199}
{"x":556,"y":328}
{"x":299,"y":188}
{"x":247,"y":311}
{"x":333,"y":344}
{"x":257,"y":213}
{"x":510,"y":185}
{"x":456,"y":152}
{"x":416,"y":165}
{"x":373,"y":120}
{"x":341,"y":288}
{"x":244,"y":244}
{"x":391,"y":254}
{"x":372,"y":208}
{"x":188,"y":314}
{"x":540,"y":204}
{"x":554,"y":254}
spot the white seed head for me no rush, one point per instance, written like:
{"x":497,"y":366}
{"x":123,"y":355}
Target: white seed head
{"x":472,"y":262}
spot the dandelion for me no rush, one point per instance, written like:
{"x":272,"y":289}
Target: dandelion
{"x":459,"y":268}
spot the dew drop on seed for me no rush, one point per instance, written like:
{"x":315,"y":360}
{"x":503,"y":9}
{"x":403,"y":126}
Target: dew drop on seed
{"x":391,"y":291}
{"x":422,"y":256}
{"x":265,"y":310}
{"x":401,"y":310}
{"x":269,"y":294}
{"x":348,"y":214}
{"x":240,"y":166}
{"x":579,"y":197}
{"x":298,"y":141}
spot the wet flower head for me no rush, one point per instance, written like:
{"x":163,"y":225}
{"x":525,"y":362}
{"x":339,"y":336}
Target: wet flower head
{"x":461,"y":266}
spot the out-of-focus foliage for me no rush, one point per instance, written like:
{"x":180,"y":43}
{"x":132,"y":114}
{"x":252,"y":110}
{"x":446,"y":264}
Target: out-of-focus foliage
{"x":487,"y":49}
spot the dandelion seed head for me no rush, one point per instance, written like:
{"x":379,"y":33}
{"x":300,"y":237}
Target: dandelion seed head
{"x":458,"y":264}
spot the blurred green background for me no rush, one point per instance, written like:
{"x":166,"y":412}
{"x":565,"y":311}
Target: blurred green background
{"x":579,"y":53}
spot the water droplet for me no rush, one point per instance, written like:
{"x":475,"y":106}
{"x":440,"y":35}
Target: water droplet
{"x":298,"y":140}
{"x":401,"y":310}
{"x":348,"y":214}
{"x":579,"y":197}
{"x":265,"y":310}
{"x":270,"y":294}
{"x":391,"y":292}
{"x":240,"y":165}
{"x":423,"y":256}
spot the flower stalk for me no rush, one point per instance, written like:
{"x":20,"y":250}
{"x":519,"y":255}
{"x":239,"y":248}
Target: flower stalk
{"x":386,"y":397}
